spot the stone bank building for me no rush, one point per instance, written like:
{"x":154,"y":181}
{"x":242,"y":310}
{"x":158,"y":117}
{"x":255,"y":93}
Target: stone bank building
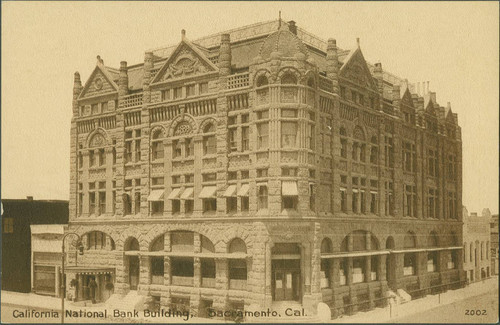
{"x":260,"y":165}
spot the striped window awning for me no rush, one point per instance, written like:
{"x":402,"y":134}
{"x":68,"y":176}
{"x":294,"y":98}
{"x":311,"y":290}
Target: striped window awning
{"x":243,"y":190}
{"x":156,"y":195}
{"x":289,"y":188}
{"x":230,"y":191}
{"x":174,"y":195}
{"x":208,"y":192}
{"x":187,"y":194}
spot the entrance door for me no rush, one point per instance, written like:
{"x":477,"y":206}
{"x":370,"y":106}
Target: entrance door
{"x":389,"y":269}
{"x":133,"y":272}
{"x":286,"y":280}
{"x":286,"y":285}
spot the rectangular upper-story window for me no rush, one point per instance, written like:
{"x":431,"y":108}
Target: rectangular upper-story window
{"x":165,"y":95}
{"x":262,"y":115}
{"x":231,"y":176}
{"x":389,"y":151}
{"x":287,"y":171}
{"x":157,"y":181}
{"x":288,"y":134}
{"x":189,"y":147}
{"x":203,"y":88}
{"x":210,"y":177}
{"x":209,"y":145}
{"x":452,"y":167}
{"x":262,"y":196}
{"x":95,"y":109}
{"x":231,"y":136}
{"x":177,"y":93}
{"x":409,"y":157}
{"x":262,"y":135}
{"x":245,"y":141}
{"x":262,"y":172}
{"x":190,"y":90}
{"x":8,"y":225}
{"x":432,"y":163}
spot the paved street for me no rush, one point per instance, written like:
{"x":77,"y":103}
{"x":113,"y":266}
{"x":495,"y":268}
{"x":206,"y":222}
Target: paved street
{"x":464,"y":311}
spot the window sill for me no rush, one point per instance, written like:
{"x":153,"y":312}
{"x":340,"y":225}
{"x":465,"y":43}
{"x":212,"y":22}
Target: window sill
{"x":182,"y":159}
{"x":132,"y":164}
{"x":97,"y":167}
{"x":289,"y":212}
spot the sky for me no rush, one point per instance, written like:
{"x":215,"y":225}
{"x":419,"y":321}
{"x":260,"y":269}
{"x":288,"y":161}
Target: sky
{"x":455,"y":46}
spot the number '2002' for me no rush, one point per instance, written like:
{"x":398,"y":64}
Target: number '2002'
{"x":475,"y":312}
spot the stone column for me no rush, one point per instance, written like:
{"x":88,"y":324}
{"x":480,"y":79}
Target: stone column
{"x":381,"y":270}
{"x":85,"y":183}
{"x":368,"y":268}
{"x":98,"y":289}
{"x":268,"y":274}
{"x":198,"y":168}
{"x":349,"y":271}
{"x":221,"y":282}
{"x":58,"y":281}
{"x":144,"y":271}
{"x":398,"y":268}
{"x":109,"y":176}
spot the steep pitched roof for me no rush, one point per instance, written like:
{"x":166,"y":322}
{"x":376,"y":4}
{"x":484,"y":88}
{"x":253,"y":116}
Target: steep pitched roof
{"x":356,"y":69}
{"x":109,"y":75}
{"x":195,"y":51}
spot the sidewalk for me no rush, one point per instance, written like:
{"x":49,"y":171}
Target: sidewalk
{"x":30,"y":300}
{"x":383,"y":315}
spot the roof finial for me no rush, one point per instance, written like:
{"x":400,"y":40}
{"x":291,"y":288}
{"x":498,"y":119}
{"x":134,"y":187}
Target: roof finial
{"x":183,"y":34}
{"x":279,"y":20}
{"x":357,"y":41}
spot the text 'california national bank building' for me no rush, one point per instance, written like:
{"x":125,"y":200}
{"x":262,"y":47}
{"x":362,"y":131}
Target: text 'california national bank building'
{"x":261,"y":165}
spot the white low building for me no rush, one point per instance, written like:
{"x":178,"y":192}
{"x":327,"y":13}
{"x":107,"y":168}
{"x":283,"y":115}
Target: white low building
{"x":477,"y":255}
{"x":46,"y":258}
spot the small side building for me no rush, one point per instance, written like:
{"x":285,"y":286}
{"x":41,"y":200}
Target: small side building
{"x":477,"y":255}
{"x":17,"y":217}
{"x":46,"y":248}
{"x":494,"y":243}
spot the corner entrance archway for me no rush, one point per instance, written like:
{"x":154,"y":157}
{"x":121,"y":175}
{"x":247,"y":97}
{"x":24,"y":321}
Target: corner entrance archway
{"x":286,"y":273}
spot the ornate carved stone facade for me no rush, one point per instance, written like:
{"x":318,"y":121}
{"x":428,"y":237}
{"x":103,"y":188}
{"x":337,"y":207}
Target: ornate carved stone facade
{"x":264,"y":164}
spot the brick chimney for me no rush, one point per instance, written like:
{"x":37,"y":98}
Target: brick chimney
{"x":225,"y":55}
{"x":123,"y":79}
{"x":378,"y":73}
{"x":77,"y":89}
{"x":148,"y":76}
{"x":293,"y":27}
{"x":332,"y":64}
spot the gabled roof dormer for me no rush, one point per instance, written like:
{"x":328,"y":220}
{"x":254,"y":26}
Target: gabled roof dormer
{"x":100,"y":82}
{"x":407,"y":98}
{"x":186,"y":60}
{"x":431,"y":109}
{"x":356,"y":70}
